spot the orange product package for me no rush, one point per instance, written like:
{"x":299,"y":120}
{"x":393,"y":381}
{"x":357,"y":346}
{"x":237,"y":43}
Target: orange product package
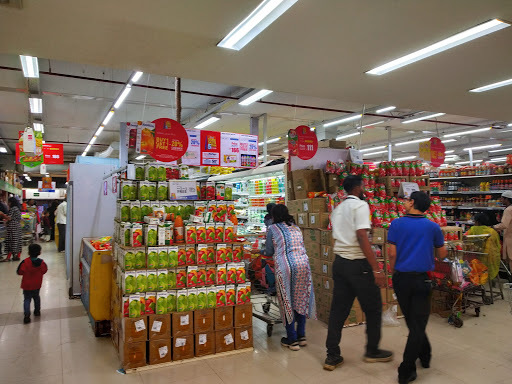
{"x":191,"y":254}
{"x":230,"y":295}
{"x":231,"y":274}
{"x":240,"y":273}
{"x":211,"y":275}
{"x":182,"y":255}
{"x":210,"y":233}
{"x":191,"y":276}
{"x":201,"y":233}
{"x":191,"y":234}
{"x":212,"y":209}
{"x":222,"y":211}
{"x":240,"y":294}
{"x":229,"y":233}
{"x":210,"y":254}
{"x":181,"y":278}
{"x":230,"y":210}
{"x":238,"y":253}
{"x":178,"y":230}
{"x":221,"y":254}
{"x":221,"y":296}
{"x":201,"y":276}
{"x":202,"y":254}
{"x":199,"y":208}
{"x":147,"y":138}
{"x":219,"y":232}
{"x":221,"y":273}
{"x":229,"y":253}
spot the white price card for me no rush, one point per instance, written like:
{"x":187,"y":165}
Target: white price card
{"x":406,"y":189}
{"x":306,"y":206}
{"x":180,"y":342}
{"x":184,"y":320}
{"x":228,"y":339}
{"x":312,"y":219}
{"x":162,"y":351}
{"x":140,"y":325}
{"x":324,"y":268}
{"x":244,"y":335}
{"x":157,"y":326}
{"x":202,"y":339}
{"x":394,"y":308}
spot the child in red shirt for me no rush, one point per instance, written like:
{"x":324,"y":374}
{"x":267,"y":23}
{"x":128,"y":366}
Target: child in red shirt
{"x":32,"y":269}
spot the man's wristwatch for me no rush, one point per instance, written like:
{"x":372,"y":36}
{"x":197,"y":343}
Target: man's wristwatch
{"x":378,"y":271}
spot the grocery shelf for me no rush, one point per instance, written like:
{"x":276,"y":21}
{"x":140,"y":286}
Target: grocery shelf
{"x":480,"y":208}
{"x":470,"y":177}
{"x":460,"y":222}
{"x":467,"y":192}
{"x":240,"y":193}
{"x":267,"y":195}
{"x":5,"y":186}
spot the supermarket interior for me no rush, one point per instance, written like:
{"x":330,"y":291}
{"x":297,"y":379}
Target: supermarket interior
{"x":149,"y":152}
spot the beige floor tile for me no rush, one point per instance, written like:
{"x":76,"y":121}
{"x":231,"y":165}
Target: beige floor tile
{"x":31,"y":367}
{"x":154,"y":377}
{"x":93,"y":375}
{"x":53,"y":379}
{"x":186,"y":371}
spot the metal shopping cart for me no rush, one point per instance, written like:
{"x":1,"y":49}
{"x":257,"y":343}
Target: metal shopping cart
{"x":28,"y":227}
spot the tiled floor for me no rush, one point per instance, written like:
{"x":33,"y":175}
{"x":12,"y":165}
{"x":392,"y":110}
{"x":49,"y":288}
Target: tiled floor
{"x":60,"y":347}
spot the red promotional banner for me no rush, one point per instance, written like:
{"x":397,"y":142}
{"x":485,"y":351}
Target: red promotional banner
{"x":210,"y":148}
{"x":437,"y":151}
{"x":302,"y":142}
{"x":171,"y":140}
{"x":53,"y":153}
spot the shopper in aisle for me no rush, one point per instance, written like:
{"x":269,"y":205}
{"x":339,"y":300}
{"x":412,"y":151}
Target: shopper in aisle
{"x":60,"y":219}
{"x":412,"y":240}
{"x":492,"y":246}
{"x":51,"y":216}
{"x":356,"y":274}
{"x":4,"y":209}
{"x":268,"y":217}
{"x":32,"y":269}
{"x":506,"y":226}
{"x":293,"y":276}
{"x":13,"y":232}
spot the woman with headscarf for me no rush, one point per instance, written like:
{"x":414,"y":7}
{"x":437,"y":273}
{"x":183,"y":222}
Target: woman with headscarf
{"x":492,"y":245}
{"x":13,"y":233}
{"x":506,"y":226}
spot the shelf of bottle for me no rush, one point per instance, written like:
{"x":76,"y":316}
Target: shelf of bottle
{"x":480,"y":208}
{"x":240,"y":193}
{"x":467,"y":192}
{"x":263,"y":196}
{"x":469,"y":177}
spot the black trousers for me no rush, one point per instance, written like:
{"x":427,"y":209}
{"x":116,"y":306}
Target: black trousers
{"x":413,"y":293}
{"x":62,"y":237}
{"x":354,"y":278}
{"x":28,"y":297}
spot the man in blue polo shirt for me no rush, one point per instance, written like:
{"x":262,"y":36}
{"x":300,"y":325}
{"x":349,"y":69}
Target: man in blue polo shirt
{"x":413,"y":239}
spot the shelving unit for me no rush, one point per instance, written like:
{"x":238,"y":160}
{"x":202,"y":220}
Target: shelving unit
{"x":467,"y":192}
{"x":5,"y":186}
{"x":469,"y":177}
{"x":475,"y":208}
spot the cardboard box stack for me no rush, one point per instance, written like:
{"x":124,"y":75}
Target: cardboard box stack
{"x":179,"y":287}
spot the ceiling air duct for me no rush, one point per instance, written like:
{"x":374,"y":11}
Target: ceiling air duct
{"x":114,"y":146}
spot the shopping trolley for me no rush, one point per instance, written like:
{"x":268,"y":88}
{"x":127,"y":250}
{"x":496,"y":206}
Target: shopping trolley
{"x":28,"y":227}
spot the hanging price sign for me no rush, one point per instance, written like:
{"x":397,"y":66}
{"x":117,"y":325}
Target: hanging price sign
{"x":171,"y":140}
{"x":432,"y":151}
{"x":302,"y":142}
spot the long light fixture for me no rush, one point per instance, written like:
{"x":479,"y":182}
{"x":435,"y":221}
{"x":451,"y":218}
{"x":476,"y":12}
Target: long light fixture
{"x":501,"y":150}
{"x":343,"y":120}
{"x":39,"y":127}
{"x":405,"y":158}
{"x":371,"y":124}
{"x":140,"y":157}
{"x":93,"y":140}
{"x":100,"y":129}
{"x":412,"y":141}
{"x":450,"y":151}
{"x":506,"y":130}
{"x":347,"y":136}
{"x":87,"y":148}
{"x":84,"y":153}
{"x":259,"y":19}
{"x":123,"y":95}
{"x":373,"y":149}
{"x":254,"y":96}
{"x":509,"y":125}
{"x":492,"y":86}
{"x":207,"y":122}
{"x":468,"y":132}
{"x":497,"y":160}
{"x":468,"y":162}
{"x":452,"y":41}
{"x":374,"y":153}
{"x":36,"y":104}
{"x":3,"y":150}
{"x":382,"y":110}
{"x":108,"y":117}
{"x":270,"y":141}
{"x":483,"y":147}
{"x":448,"y":141}
{"x":136,"y":76}
{"x":285,"y":150}
{"x":422,"y":117}
{"x":30,"y":66}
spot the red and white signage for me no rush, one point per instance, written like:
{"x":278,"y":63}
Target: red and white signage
{"x":53,"y":153}
{"x":302,"y":142}
{"x":171,"y":140}
{"x":432,"y":151}
{"x":210,"y":148}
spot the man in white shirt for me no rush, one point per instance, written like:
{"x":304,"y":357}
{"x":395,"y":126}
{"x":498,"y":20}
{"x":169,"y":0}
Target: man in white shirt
{"x":356,"y":274}
{"x":60,"y":219}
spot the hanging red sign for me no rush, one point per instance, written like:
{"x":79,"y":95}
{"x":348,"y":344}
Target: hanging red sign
{"x":171,"y":140}
{"x":302,"y":142}
{"x":53,"y":153}
{"x":210,"y":148}
{"x":432,"y":151}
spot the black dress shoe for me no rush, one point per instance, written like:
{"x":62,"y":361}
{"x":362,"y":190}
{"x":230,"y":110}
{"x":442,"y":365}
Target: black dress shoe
{"x":409,"y":379}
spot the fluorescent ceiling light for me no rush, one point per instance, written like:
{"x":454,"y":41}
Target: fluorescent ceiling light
{"x":423,"y":117}
{"x":25,"y":174}
{"x":506,"y":130}
{"x":497,"y":160}
{"x":207,"y":122}
{"x":121,"y":98}
{"x":369,"y":125}
{"x":93,"y":140}
{"x":87,"y":148}
{"x":275,"y":139}
{"x":501,"y":150}
{"x":44,"y":142}
{"x":373,"y":149}
{"x":30,"y":66}
{"x":343,"y":120}
{"x":285,"y":150}
{"x":468,"y":162}
{"x":140,"y":157}
{"x":260,"y":157}
{"x":347,"y":136}
{"x":259,"y":19}
{"x":405,"y":158}
{"x":468,"y":132}
{"x":137,"y":76}
{"x":448,"y":141}
{"x":84,"y":153}
{"x":253,"y":97}
{"x":374,"y":153}
{"x":108,"y":117}
{"x":509,"y":125}
{"x":100,"y":129}
{"x":36,"y":104}
{"x":39,"y":127}
{"x":412,"y":141}
{"x":451,"y":159}
{"x":3,"y":150}
{"x":483,"y":147}
{"x":385,"y":109}
{"x":450,"y":151}
{"x":492,"y":86}
{"x":443,"y":45}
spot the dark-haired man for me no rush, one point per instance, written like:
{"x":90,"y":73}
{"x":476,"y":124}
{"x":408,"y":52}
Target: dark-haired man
{"x":356,"y":274}
{"x":413,"y":239}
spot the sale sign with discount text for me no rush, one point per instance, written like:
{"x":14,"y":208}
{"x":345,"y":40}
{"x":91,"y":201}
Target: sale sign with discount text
{"x":170,"y":140}
{"x":302,"y":142}
{"x":432,"y":151}
{"x":210,"y":148}
{"x":52,"y":154}
{"x":230,"y":149}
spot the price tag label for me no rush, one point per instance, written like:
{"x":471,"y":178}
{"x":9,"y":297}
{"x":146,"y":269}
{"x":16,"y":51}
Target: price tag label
{"x":162,"y":351}
{"x":306,"y":206}
{"x":324,"y":268}
{"x":184,"y":320}
{"x":140,"y":325}
{"x":394,"y":308}
{"x":228,"y":339}
{"x":202,"y":339}
{"x":312,"y":219}
{"x":157,"y":326}
{"x":244,"y":335}
{"x":180,"y":342}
